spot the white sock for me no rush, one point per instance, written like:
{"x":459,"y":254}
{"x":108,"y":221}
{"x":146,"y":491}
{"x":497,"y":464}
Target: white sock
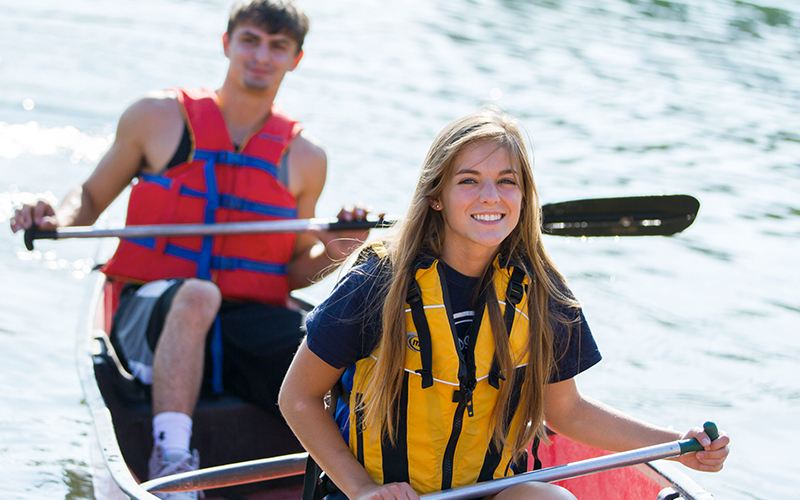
{"x":172,"y":430}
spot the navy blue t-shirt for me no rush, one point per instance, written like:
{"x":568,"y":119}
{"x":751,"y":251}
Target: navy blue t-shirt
{"x":346,"y":326}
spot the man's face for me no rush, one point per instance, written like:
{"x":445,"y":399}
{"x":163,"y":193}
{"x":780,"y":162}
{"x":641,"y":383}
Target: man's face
{"x":259,"y":60}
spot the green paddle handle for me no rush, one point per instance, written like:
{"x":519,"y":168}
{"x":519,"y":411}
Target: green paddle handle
{"x":692,"y":445}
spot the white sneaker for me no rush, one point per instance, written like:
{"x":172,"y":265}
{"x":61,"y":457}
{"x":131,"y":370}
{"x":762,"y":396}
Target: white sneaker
{"x":161,"y":465}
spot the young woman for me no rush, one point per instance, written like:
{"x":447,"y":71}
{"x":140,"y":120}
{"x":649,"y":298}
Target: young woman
{"x":450,"y":344}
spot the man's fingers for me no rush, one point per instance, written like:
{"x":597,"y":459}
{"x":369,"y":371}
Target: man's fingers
{"x":40,"y":214}
{"x":16,"y":221}
{"x":40,"y":211}
{"x":349,"y":213}
{"x":24,"y":217}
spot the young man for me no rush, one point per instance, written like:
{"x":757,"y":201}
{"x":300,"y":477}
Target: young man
{"x":211,"y":156}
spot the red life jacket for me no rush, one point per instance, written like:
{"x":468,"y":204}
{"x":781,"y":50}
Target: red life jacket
{"x":217,"y":184}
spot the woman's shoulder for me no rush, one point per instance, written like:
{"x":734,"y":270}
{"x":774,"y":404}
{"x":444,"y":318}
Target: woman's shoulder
{"x":361,"y":284}
{"x":370,"y":266}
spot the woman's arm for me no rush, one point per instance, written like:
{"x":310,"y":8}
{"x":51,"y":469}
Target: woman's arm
{"x":593,"y":423}
{"x":301,"y":401}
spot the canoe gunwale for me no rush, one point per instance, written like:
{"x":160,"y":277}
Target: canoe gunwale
{"x":101,"y":415}
{"x":677,"y":479}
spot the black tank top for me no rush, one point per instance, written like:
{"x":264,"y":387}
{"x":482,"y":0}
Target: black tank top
{"x":185,"y":149}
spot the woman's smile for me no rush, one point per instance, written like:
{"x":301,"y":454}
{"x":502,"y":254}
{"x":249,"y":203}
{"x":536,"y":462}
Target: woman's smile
{"x":488,"y":217}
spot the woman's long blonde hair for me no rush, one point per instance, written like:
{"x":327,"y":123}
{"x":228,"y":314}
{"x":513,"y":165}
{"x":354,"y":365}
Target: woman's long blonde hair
{"x":423,"y":230}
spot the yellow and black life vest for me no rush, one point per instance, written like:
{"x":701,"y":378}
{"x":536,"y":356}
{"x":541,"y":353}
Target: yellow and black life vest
{"x":445,"y":409}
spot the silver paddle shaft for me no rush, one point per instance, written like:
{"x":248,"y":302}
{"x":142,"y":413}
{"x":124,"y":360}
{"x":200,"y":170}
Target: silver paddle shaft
{"x":575,"y":469}
{"x":222,"y":228}
{"x":229,"y":475}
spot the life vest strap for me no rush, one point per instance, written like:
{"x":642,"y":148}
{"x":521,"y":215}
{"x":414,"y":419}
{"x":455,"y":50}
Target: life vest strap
{"x":162,"y":181}
{"x":395,"y":458}
{"x":236,"y":159}
{"x":514,"y":294}
{"x":494,"y":455}
{"x":181,"y":252}
{"x":145,"y":242}
{"x":231,"y":263}
{"x":220,"y":263}
{"x":216,"y":358}
{"x":244,"y":205}
{"x":414,"y":299}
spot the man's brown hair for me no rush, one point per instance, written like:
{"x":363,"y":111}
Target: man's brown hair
{"x":273,"y":16}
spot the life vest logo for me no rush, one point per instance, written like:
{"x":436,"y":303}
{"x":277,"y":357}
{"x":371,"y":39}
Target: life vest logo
{"x":413,"y":341}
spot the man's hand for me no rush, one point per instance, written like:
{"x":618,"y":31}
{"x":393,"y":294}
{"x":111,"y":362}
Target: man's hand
{"x":40,"y":214}
{"x":328,"y":250}
{"x":340,"y":244}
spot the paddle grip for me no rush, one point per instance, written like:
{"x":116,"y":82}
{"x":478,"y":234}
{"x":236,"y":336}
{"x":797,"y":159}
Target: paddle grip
{"x":34,"y":233}
{"x":692,"y":445}
{"x":359,"y":224}
{"x":28,"y":238}
{"x":30,"y":235}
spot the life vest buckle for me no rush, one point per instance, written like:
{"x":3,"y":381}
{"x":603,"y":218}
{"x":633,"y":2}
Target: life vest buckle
{"x":232,"y":202}
{"x":427,"y":377}
{"x":230,"y":158}
{"x":495,"y":377}
{"x":515,"y":292}
{"x":413,"y":296}
{"x":223,"y":263}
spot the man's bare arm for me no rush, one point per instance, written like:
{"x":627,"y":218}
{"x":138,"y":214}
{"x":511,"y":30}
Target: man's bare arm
{"x":145,"y":139}
{"x":308,"y":166}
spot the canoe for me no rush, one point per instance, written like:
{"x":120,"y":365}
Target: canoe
{"x":229,"y":431}
{"x":226,"y":430}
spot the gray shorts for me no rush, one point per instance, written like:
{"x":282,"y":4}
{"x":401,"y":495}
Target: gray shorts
{"x":141,"y":310}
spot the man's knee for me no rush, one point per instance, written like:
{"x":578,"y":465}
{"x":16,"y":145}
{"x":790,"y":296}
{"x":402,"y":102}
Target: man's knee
{"x":200,"y":298}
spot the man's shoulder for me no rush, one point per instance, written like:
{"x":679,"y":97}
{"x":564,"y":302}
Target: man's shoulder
{"x":152,"y":115}
{"x":308,"y":164}
{"x":308,"y":149}
{"x":157,"y":104}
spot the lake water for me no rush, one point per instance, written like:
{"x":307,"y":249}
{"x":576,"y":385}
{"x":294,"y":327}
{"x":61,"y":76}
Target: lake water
{"x":620,"y":98}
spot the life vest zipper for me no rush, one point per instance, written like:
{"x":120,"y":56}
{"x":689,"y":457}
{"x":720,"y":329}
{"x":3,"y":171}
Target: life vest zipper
{"x":359,"y":423}
{"x":464,"y":398}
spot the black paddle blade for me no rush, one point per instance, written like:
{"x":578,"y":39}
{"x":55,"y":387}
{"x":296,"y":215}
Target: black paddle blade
{"x":625,"y":216}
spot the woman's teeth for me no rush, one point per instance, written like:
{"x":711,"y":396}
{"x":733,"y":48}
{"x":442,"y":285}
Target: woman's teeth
{"x":487,"y":217}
